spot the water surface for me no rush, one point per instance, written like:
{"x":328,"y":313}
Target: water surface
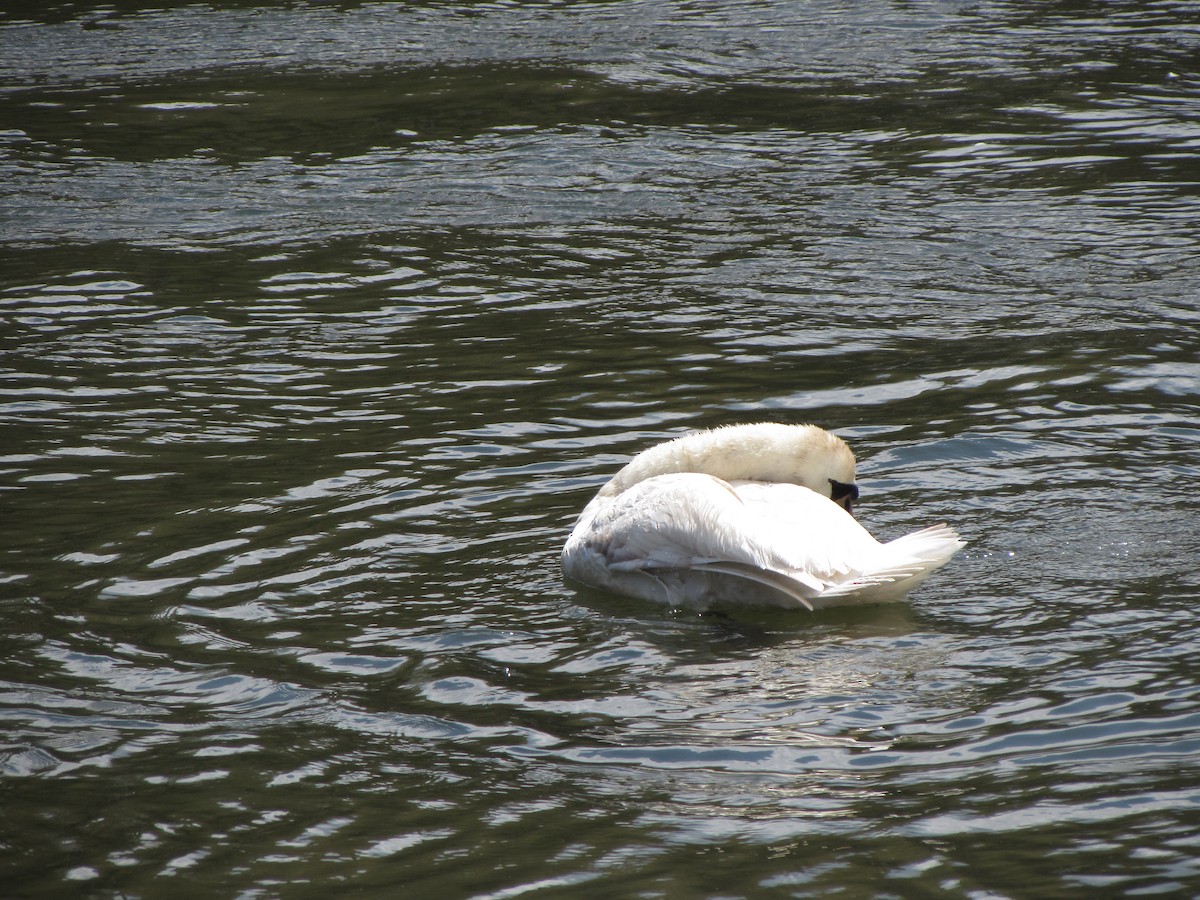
{"x":320,"y":325}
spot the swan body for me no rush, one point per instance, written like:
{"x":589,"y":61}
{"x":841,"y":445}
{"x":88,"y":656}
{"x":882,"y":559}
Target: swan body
{"x":750,"y":514}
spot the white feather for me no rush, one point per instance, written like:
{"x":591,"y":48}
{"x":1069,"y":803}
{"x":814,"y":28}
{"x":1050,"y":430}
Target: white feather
{"x":661,"y":530}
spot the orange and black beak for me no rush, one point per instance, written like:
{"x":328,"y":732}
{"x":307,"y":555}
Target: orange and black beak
{"x":843,"y":494}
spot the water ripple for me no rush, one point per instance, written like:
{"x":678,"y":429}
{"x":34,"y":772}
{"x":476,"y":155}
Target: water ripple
{"x":321,"y":326}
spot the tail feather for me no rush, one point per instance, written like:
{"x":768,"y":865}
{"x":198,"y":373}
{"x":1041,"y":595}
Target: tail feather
{"x":904,"y":563}
{"x":935,"y":544}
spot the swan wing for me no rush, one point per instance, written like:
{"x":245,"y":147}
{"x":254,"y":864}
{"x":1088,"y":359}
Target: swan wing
{"x":807,"y":532}
{"x":854,"y":566}
{"x":691,"y":522}
{"x":800,"y":588}
{"x":675,"y":520}
{"x":664,"y":536}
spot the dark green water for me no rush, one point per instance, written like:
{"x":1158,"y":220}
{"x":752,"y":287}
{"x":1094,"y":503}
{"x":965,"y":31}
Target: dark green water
{"x":319,"y":324}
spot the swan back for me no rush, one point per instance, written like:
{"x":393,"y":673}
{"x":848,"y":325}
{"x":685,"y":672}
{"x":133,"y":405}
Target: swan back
{"x":786,"y":454}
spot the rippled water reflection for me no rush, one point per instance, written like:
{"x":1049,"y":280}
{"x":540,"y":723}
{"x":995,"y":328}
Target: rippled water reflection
{"x":320,"y":326}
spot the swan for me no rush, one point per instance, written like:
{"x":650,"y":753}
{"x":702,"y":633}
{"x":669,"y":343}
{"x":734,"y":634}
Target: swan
{"x":745,"y":514}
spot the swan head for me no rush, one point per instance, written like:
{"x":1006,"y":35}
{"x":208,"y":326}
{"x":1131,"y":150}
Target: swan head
{"x":798,"y":454}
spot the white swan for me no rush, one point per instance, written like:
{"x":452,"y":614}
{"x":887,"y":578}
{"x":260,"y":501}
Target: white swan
{"x":756,"y":514}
